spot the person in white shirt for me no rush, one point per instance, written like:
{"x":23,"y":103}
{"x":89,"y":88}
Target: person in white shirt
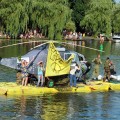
{"x":73,"y":80}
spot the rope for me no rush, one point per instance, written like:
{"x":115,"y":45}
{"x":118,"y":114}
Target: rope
{"x":83,"y":46}
{"x":47,"y":41}
{"x":22,"y":43}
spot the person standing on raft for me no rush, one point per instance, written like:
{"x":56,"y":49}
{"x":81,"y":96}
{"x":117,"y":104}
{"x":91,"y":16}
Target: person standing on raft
{"x":24,"y":73}
{"x":107,"y":72}
{"x":97,"y":62}
{"x":40,"y":74}
{"x":73,"y":69}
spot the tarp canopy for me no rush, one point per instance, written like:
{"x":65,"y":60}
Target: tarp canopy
{"x":53,"y":63}
{"x":56,"y":60}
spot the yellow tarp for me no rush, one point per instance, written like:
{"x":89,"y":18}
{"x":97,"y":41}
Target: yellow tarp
{"x":55,"y":64}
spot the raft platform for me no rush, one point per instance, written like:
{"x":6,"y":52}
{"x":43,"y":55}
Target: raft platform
{"x":11,"y":88}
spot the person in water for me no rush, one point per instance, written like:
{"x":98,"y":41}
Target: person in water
{"x":97,"y":62}
{"x":40,"y":73}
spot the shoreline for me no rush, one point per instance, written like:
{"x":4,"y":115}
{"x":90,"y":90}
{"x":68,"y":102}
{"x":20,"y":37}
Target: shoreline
{"x":36,"y":38}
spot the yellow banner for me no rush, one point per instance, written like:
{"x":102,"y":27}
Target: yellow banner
{"x":55,"y":64}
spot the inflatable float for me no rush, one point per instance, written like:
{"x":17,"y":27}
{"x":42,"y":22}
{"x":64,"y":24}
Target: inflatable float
{"x":11,"y":88}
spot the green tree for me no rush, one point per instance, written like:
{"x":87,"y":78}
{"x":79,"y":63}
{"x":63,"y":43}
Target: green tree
{"x":70,"y":26}
{"x":79,"y":8}
{"x":53,"y":17}
{"x":116,"y":18}
{"x":18,"y":16}
{"x":14,"y":17}
{"x":98,"y":17}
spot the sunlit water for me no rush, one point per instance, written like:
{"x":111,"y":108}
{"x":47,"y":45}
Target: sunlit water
{"x":97,"y":106}
{"x":78,"y":106}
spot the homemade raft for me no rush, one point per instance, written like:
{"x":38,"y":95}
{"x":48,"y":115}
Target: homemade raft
{"x":11,"y":88}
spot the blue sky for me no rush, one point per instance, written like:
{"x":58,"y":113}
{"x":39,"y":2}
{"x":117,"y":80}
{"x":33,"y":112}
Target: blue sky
{"x":117,"y":1}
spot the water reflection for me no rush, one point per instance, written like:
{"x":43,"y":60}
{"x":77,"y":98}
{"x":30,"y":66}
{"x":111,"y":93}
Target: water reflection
{"x":22,"y":107}
{"x":61,"y":106}
{"x":16,"y":49}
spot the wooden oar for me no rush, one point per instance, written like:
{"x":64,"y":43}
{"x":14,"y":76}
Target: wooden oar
{"x":47,"y":41}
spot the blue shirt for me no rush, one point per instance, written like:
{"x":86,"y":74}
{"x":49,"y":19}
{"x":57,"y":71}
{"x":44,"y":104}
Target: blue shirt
{"x":40,"y":70}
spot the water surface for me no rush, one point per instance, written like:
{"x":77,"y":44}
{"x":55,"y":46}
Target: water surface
{"x":77,"y":106}
{"x":97,"y":106}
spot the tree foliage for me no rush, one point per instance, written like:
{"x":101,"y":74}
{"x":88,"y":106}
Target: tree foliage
{"x":70,"y":26}
{"x":79,"y":7}
{"x":116,"y":18}
{"x":14,"y":17}
{"x":98,"y":17}
{"x":52,"y":16}
{"x":20,"y":15}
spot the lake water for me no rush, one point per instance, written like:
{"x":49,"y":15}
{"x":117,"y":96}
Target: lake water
{"x":78,"y":106}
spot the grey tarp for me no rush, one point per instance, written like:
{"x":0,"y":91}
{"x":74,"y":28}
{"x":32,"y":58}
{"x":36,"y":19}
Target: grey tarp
{"x":9,"y":62}
{"x":36,"y":55}
{"x":40,"y":54}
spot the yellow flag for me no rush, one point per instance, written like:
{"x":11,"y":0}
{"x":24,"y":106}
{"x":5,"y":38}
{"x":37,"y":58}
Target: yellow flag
{"x":55,"y":64}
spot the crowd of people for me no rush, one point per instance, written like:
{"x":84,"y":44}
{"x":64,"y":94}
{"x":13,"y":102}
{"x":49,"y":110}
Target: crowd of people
{"x":41,"y":72}
{"x":73,"y":35}
{"x":31,"y":34}
{"x":109,"y":69}
{"x":35,"y":33}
